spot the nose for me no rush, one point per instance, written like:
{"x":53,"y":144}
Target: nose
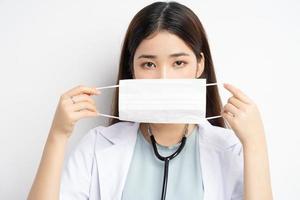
{"x":163,"y":72}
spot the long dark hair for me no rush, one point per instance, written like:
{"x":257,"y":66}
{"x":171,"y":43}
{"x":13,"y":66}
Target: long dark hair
{"x":183,"y":22}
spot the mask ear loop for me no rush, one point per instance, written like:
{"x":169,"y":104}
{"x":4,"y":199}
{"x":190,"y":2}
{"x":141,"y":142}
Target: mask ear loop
{"x":112,"y":86}
{"x":212,"y":84}
{"x":106,"y":87}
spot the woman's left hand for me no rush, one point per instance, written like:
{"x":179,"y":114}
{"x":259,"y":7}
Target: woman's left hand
{"x":243,"y":116}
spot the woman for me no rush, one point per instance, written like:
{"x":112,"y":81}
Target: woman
{"x":164,"y":40}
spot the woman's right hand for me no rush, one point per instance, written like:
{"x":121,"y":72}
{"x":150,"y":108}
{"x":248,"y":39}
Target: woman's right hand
{"x":68,"y":113}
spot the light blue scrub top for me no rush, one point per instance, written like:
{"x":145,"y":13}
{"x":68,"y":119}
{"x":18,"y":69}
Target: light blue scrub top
{"x":145,"y":177}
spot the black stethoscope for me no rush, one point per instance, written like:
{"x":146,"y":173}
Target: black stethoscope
{"x":167,"y":158}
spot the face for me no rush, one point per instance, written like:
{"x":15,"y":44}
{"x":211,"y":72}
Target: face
{"x":165,"y":55}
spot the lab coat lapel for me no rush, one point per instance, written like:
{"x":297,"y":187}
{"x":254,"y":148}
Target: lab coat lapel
{"x":211,"y":175}
{"x":209,"y":164}
{"x":211,"y":160}
{"x":113,"y":161}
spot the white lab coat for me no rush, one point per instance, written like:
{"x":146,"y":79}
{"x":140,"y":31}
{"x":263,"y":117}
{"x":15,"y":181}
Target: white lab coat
{"x":97,"y":167}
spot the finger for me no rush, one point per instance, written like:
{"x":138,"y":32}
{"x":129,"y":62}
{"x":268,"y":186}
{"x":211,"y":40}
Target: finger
{"x":237,"y":103}
{"x":84,"y":114}
{"x":232,"y":109}
{"x":84,"y":98}
{"x":237,"y":93}
{"x":83,"y":105}
{"x":227,"y":116}
{"x":82,"y":90}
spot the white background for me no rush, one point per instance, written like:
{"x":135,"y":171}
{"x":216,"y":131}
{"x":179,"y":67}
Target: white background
{"x":48,"y":47}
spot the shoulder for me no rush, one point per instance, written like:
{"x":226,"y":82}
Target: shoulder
{"x":116,"y":133}
{"x":99,"y":138}
{"x":102,"y":130}
{"x":221,"y":139}
{"x":114,"y":127}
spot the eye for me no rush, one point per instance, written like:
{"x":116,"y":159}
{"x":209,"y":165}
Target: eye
{"x":180,"y":63}
{"x":147,"y":64}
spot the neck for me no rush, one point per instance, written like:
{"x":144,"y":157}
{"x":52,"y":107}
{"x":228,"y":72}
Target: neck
{"x":166,"y":134}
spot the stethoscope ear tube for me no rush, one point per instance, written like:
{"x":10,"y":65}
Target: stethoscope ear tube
{"x":166,"y":161}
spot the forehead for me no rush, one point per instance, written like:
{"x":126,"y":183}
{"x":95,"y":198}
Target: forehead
{"x":162,"y":43}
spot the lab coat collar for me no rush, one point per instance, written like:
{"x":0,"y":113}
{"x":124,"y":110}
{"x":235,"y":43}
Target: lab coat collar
{"x":114,"y":135}
{"x":114,"y":161}
{"x":117,"y":134}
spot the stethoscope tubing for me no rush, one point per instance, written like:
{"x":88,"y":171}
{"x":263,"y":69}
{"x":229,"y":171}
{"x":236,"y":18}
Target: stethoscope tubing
{"x":166,"y":161}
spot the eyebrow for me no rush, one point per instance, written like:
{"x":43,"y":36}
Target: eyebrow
{"x":171,"y":55}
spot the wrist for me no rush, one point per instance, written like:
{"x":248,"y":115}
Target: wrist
{"x":57,"y":136}
{"x":254,"y":143}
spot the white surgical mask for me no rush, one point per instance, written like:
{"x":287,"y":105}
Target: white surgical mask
{"x":162,"y":100}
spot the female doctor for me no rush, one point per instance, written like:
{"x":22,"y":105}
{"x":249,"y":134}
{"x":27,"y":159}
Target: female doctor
{"x":164,"y":40}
